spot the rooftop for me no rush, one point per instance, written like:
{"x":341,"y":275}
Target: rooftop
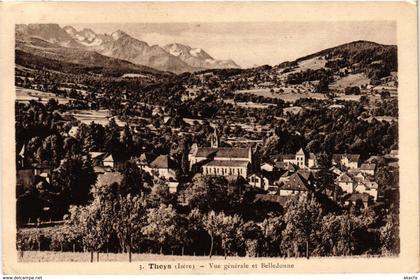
{"x":108,"y":178}
{"x":225,"y":152}
{"x":368,"y":166}
{"x":95,"y":155}
{"x":296,"y":182}
{"x":350,"y":157}
{"x":163,"y":161}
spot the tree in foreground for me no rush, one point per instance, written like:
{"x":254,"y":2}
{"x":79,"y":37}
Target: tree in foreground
{"x":224,"y":228}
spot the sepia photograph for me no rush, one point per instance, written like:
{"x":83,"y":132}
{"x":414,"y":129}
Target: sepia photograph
{"x":205,"y":140}
{"x":125,"y":146}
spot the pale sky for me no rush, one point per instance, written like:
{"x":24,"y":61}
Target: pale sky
{"x":250,"y":44}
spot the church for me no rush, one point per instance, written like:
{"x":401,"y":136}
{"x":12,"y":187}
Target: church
{"x":221,"y":161}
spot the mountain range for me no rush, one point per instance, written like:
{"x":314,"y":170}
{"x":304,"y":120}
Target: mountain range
{"x":66,"y":44}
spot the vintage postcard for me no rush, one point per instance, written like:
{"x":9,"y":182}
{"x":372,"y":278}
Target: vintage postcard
{"x":209,"y":137}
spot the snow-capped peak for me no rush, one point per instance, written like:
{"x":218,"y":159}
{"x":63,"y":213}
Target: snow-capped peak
{"x":70,"y":30}
{"x":196,"y":52}
{"x":118,"y":34}
{"x":175,"y":50}
{"x":88,"y":34}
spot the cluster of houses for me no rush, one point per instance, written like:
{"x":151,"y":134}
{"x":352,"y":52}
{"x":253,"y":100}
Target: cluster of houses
{"x":282,"y":175}
{"x":288,"y":174}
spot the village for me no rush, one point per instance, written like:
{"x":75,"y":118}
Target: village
{"x":281,"y":176}
{"x":223,"y":161}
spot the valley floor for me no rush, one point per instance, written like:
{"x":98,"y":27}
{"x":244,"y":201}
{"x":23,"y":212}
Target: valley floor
{"x":53,"y":256}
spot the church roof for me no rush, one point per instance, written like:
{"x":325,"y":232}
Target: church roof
{"x":224,"y":152}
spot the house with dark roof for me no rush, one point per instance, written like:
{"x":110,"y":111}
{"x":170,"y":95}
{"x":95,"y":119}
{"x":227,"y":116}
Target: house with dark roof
{"x":368,"y":187}
{"x":163,"y":167}
{"x":368,"y":168}
{"x":256,"y":180}
{"x":357,"y":198}
{"x":97,"y":158}
{"x":115,"y":161}
{"x":294,"y":185}
{"x":144,"y":159}
{"x":347,"y":160}
{"x":345,"y":182}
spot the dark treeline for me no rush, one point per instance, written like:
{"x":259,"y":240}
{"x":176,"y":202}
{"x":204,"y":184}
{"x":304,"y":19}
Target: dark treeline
{"x":217,"y":219}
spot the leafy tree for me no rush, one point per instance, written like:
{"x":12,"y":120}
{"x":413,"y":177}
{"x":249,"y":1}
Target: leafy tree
{"x":272,"y":228}
{"x":160,"y":195}
{"x":162,"y":228}
{"x":252,"y":236}
{"x":135,"y":181}
{"x":354,"y":90}
{"x":303,"y":219}
{"x":75,"y":177}
{"x":323,"y":86}
{"x":207,"y":193}
{"x":108,"y":219}
{"x":389,"y":236}
{"x":225,"y":228}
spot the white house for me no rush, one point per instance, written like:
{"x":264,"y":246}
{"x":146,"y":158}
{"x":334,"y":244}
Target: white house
{"x":74,"y":130}
{"x":173,"y":187}
{"x":345,"y":182}
{"x":267,"y":167}
{"x":368,"y":168}
{"x":298,"y":160}
{"x":347,"y":160}
{"x":312,"y":161}
{"x":256,"y":180}
{"x":368,"y":187}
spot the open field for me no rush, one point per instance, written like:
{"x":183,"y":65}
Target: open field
{"x":293,"y":110}
{"x":25,"y":95}
{"x":287,"y":95}
{"x":51,"y":256}
{"x":350,"y":97}
{"x":350,"y":81}
{"x":249,"y":104}
{"x":97,"y":116}
{"x":382,"y":118}
{"x":312,"y":63}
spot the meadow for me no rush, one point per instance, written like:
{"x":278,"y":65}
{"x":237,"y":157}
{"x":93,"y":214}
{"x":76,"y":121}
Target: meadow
{"x":25,"y":95}
{"x":52,"y":256}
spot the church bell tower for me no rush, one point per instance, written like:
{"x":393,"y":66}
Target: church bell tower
{"x":214,"y":139}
